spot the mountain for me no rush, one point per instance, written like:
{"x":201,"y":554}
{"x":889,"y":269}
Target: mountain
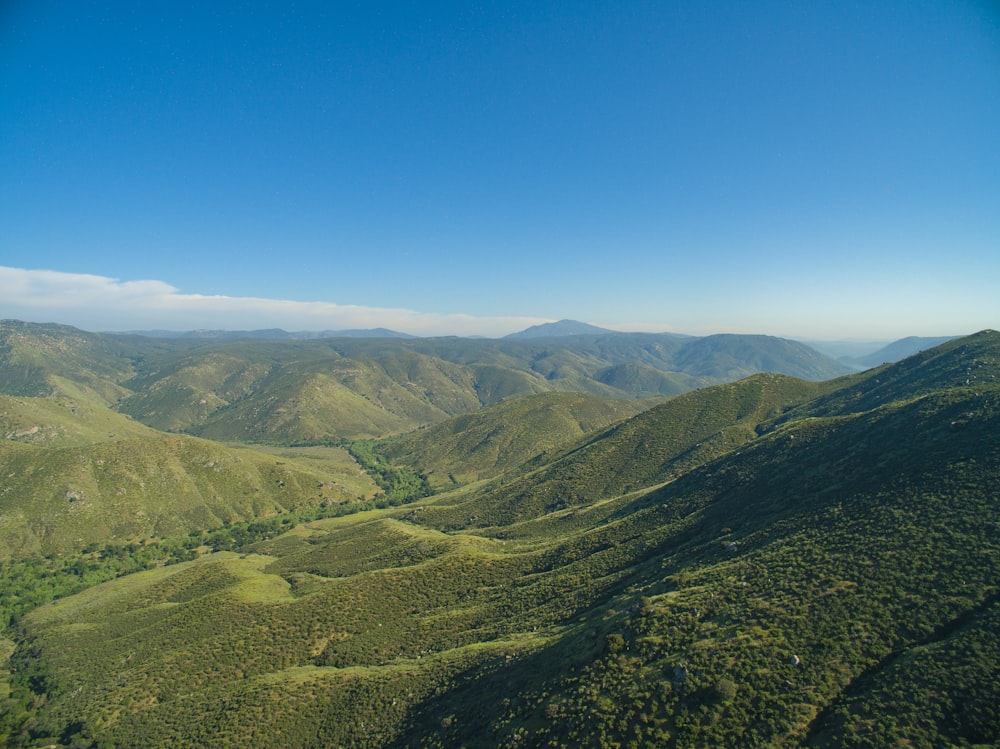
{"x":768,"y":562}
{"x":656,"y":446}
{"x":960,"y":363}
{"x":298,"y":393}
{"x":325,"y":390}
{"x":559,"y":329}
{"x":731,"y":357}
{"x":646,"y":381}
{"x":486,"y":443}
{"x":77,"y":474}
{"x":273,"y":334}
{"x":35,"y":358}
{"x":896,"y":350}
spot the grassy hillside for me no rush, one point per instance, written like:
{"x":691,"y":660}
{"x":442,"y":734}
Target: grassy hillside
{"x":767,"y":563}
{"x":972,"y":362}
{"x":61,"y":499}
{"x":656,"y":446}
{"x":35,"y":357}
{"x":31,"y":354}
{"x":295,"y":391}
{"x":63,"y":420}
{"x":491,"y":441}
{"x":78,"y":474}
{"x":788,"y":595}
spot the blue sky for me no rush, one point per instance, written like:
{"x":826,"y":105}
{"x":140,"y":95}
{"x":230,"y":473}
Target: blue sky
{"x":817,"y":170}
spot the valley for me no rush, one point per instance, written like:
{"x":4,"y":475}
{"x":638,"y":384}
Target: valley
{"x":584,"y":540}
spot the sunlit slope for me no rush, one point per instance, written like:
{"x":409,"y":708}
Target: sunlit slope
{"x":488,"y":442}
{"x":38,"y":359}
{"x":63,"y":420}
{"x":62,"y":499}
{"x":30,"y":354}
{"x":299,"y":393}
{"x":183,"y":392}
{"x":753,"y":599}
{"x":657,"y":445}
{"x":348,"y":648}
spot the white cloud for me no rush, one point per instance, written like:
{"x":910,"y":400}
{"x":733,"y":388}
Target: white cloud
{"x":108,"y":304}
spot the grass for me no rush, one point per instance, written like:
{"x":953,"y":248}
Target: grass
{"x":61,"y":499}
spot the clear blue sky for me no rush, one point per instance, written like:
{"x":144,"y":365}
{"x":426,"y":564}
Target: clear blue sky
{"x":810,"y":169}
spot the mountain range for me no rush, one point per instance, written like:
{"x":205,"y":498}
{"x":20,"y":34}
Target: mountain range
{"x":619,"y":539}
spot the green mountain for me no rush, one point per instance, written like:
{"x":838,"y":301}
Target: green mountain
{"x":326,"y":390}
{"x":34,"y":358}
{"x":493,"y":440}
{"x":656,"y":446}
{"x":69,"y":418}
{"x":291,"y":396}
{"x":730,"y":357}
{"x":61,"y":499}
{"x":645,"y":380}
{"x":770,"y":562}
{"x":273,"y":334}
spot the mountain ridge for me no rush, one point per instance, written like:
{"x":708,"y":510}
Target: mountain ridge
{"x":268,"y":390}
{"x":758,"y":562}
{"x":559,"y":329}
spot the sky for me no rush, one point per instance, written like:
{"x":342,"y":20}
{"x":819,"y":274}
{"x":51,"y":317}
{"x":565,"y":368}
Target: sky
{"x":824,"y":170}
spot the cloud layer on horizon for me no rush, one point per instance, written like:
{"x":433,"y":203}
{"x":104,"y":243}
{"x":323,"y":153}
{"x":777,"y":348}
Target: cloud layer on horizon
{"x":108,"y":304}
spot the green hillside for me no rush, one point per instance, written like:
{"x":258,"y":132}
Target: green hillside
{"x":63,"y":420}
{"x":964,"y":362}
{"x":78,"y":474}
{"x":62,"y":499}
{"x":731,"y":357}
{"x":291,"y":391}
{"x":643,"y":379}
{"x":30,"y":354}
{"x":656,"y":446}
{"x":493,"y":440}
{"x":770,"y":562}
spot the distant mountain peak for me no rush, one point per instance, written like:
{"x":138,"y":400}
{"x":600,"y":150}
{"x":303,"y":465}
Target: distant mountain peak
{"x":559,"y":329}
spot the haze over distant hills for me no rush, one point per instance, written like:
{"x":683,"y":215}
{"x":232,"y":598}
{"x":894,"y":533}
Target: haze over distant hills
{"x":855,"y":354}
{"x":560,"y":328}
{"x":864,"y":354}
{"x":897,"y":350}
{"x":272,"y":334}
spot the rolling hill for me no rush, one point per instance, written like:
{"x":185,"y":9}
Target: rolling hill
{"x":59,"y":500}
{"x":770,"y":562}
{"x":493,"y":440}
{"x":326,"y":390}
